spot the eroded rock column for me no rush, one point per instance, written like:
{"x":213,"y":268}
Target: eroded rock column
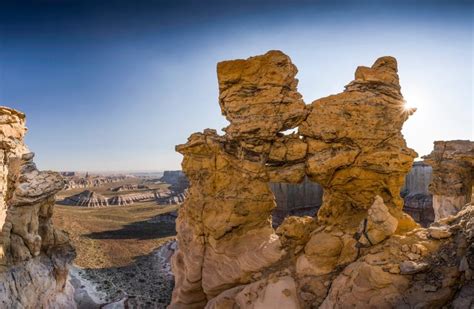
{"x":349,"y":143}
{"x":34,"y":256}
{"x":453,"y":171}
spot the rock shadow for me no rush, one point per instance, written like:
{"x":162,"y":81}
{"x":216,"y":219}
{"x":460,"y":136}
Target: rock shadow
{"x":147,"y":282}
{"x":141,"y":230}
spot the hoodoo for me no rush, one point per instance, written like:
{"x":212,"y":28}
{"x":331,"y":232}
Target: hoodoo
{"x":34,"y":256}
{"x":361,"y":250}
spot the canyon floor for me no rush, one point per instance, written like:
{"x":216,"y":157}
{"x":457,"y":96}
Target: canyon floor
{"x":117,"y":253}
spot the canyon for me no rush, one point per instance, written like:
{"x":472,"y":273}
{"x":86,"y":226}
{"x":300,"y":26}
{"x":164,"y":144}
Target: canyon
{"x":361,"y":249}
{"x":335,"y":214}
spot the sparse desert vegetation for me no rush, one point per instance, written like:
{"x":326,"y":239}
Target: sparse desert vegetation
{"x":115,"y":235}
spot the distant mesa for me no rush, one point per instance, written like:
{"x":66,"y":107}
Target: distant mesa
{"x":73,"y":181}
{"x":90,"y":198}
{"x":129,"y":187}
{"x":86,"y":198}
{"x":177,"y":179}
{"x":172,"y":177}
{"x":129,"y":199}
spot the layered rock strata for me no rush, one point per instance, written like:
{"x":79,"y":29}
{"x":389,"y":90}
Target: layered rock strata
{"x":76,"y":182}
{"x":453,"y":172}
{"x":360,"y":250}
{"x":418,"y":201}
{"x":131,"y":198}
{"x":86,"y":198}
{"x":34,"y":256}
{"x":295,"y":199}
{"x":129,"y":187}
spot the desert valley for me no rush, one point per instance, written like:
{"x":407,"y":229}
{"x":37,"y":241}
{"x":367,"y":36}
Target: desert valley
{"x":253,"y":154}
{"x":333,"y":215}
{"x":123,"y":229}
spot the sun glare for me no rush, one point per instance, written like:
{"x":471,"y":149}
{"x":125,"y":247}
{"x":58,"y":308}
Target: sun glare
{"x":407,"y":105}
{"x":412,"y":100}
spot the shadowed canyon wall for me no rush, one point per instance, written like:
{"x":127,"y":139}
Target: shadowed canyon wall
{"x":295,"y":199}
{"x":306,"y":198}
{"x":34,"y":256}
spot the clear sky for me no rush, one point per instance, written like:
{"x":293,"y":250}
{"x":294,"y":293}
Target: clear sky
{"x":115,"y":85}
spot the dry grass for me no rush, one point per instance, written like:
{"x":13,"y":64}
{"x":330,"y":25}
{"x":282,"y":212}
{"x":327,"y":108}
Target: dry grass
{"x":113,"y":236}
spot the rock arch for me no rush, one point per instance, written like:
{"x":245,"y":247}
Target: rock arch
{"x":350,"y":143}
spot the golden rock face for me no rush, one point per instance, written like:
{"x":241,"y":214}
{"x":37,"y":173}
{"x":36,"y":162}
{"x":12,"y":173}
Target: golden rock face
{"x":350,"y":143}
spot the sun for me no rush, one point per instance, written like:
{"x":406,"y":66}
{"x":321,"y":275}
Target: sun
{"x":408,"y":106}
{"x":412,"y":101}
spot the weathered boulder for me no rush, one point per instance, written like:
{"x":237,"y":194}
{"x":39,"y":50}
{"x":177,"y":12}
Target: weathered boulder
{"x":259,"y":98}
{"x":453,"y":171}
{"x":34,"y":256}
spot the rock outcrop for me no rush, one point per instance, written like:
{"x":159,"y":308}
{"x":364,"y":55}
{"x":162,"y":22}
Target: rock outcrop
{"x":90,"y":198}
{"x":75,"y":182}
{"x":361,"y":249}
{"x":129,"y":187}
{"x":453,"y":171}
{"x":132,"y":198}
{"x":305,"y":199}
{"x":34,"y":256}
{"x":170,"y":198}
{"x":86,"y":198}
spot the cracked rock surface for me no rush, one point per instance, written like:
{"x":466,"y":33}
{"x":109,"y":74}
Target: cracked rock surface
{"x":453,"y":171}
{"x":360,"y":250}
{"x":34,"y":256}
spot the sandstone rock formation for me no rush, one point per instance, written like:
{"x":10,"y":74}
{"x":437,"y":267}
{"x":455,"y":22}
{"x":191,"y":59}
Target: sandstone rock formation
{"x":131,"y":198}
{"x":361,"y":250}
{"x":453,"y":172}
{"x":34,"y":256}
{"x":76,"y":181}
{"x":86,"y":198}
{"x":129,"y":187}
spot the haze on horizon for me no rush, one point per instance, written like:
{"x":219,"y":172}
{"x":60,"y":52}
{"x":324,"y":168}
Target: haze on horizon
{"x":115,"y":85}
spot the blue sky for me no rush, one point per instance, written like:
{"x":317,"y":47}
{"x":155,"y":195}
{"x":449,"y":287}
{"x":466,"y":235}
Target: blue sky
{"x":115,"y":85}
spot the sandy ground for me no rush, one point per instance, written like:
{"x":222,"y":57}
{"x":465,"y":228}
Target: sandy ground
{"x":147,"y":283}
{"x":113,"y":236}
{"x":122,"y":254}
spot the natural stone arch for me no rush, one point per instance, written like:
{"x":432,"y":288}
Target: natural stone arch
{"x":350,"y":143}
